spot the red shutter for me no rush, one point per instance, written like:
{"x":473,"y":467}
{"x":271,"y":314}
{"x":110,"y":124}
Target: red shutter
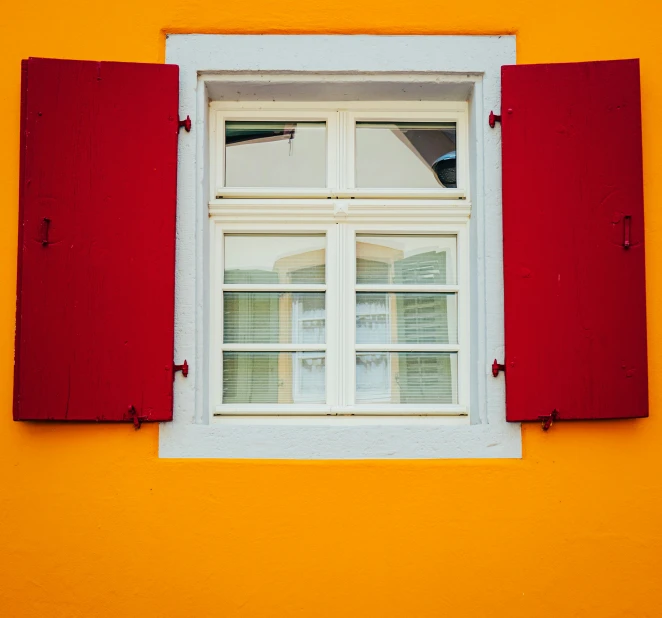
{"x":95,"y":292}
{"x":573,"y":228}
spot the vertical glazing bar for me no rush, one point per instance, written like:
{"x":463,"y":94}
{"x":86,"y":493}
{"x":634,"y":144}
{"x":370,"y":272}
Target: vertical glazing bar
{"x":333,"y":322}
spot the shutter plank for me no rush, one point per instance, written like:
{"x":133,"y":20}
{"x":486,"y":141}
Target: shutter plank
{"x":575,"y":299}
{"x":95,"y":307}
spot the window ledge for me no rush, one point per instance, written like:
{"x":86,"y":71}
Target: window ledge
{"x":340,"y":438}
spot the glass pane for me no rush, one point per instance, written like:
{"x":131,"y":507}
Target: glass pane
{"x":406,"y":318}
{"x":274,"y":377}
{"x":405,"y":155}
{"x":406,"y":377}
{"x":275,"y":154}
{"x":273,"y":317}
{"x":406,"y":260}
{"x":275,"y":259}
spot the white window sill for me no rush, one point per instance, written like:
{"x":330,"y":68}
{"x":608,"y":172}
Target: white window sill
{"x":454,"y":67}
{"x":340,"y":438}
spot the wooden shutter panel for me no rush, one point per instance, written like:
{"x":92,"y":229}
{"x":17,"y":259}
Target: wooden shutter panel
{"x":573,"y":227}
{"x":96,"y":256}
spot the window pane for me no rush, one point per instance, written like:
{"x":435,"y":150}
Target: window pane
{"x":406,"y":260}
{"x":274,"y":377}
{"x":275,"y":259}
{"x":406,"y":318}
{"x":273,"y":317}
{"x":275,"y":154}
{"x":406,"y":155}
{"x":406,"y":377}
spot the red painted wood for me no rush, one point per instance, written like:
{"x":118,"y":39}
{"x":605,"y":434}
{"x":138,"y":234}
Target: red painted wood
{"x":575,"y":298}
{"x":95,"y":306}
{"x":21,"y":214}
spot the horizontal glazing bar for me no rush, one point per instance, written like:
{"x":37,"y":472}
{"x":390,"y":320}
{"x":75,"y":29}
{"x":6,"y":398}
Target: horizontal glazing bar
{"x":427,"y":289}
{"x":383,"y":202}
{"x":406,"y":347}
{"x":252,"y":287}
{"x":273,"y":347}
{"x":357,"y":410}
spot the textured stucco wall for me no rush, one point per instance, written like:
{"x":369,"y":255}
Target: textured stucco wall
{"x":92,"y":523}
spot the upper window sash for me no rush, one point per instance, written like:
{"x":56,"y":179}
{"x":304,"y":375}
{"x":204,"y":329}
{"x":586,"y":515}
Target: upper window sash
{"x":364,"y":118}
{"x":341,"y":146}
{"x":224,"y":121}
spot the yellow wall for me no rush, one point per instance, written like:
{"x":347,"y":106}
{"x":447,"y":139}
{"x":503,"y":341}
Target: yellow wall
{"x":92,"y":523}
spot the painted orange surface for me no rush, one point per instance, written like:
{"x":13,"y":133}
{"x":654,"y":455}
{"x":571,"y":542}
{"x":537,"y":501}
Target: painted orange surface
{"x":92,"y":523}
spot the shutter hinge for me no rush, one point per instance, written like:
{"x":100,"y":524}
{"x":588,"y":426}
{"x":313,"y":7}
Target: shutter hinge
{"x":183,"y":368}
{"x":496,"y":368}
{"x":186,"y":124}
{"x":135,"y":417}
{"x":493,"y":119}
{"x":546,"y":420}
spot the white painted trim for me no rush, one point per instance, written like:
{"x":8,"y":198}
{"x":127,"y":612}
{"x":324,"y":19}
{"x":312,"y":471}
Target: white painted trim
{"x":288,"y":213}
{"x":293,"y":79}
{"x":442,"y":60}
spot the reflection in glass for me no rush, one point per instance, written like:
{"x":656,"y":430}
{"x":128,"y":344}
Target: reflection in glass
{"x":406,"y":318}
{"x":405,"y":155}
{"x":273,"y":317}
{"x":275,"y":154}
{"x":406,"y":377}
{"x":406,"y":260}
{"x":274,"y":377}
{"x":268,"y":259}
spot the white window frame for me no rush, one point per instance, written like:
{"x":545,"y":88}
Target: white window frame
{"x":437,"y":214}
{"x":213,"y":66}
{"x":341,"y":308}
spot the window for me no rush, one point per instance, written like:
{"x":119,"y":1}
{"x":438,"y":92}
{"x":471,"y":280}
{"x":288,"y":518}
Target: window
{"x":340,"y":265}
{"x":428,"y":79}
